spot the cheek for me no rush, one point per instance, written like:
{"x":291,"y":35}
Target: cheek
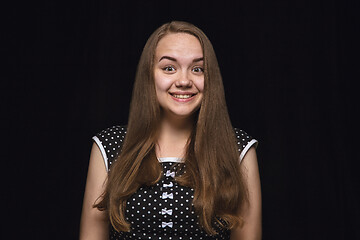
{"x":200,"y":83}
{"x":161,"y":83}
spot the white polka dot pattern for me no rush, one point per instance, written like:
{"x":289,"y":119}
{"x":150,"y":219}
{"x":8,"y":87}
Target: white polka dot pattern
{"x":164,"y":210}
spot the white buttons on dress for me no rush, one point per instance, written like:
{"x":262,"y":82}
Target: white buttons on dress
{"x":166,"y":224}
{"x":167,"y":195}
{"x":170,"y":174}
{"x":168,"y":185}
{"x":165,"y":211}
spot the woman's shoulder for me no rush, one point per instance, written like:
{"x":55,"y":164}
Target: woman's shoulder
{"x":109,"y":141}
{"x":112,"y":132}
{"x":244,"y":141}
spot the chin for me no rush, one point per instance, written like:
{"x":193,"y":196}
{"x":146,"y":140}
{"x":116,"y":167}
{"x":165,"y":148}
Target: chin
{"x":184,"y":114}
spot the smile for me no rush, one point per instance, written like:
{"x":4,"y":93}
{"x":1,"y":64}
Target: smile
{"x":183,"y":96}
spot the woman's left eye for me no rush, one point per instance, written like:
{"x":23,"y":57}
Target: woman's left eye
{"x":198,"y":69}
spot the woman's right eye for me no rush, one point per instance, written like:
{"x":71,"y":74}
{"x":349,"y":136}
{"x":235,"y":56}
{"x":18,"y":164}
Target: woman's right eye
{"x":169,"y":69}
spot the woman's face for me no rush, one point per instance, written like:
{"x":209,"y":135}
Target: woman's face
{"x":179,"y":75}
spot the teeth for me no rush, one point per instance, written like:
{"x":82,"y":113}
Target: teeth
{"x":182,"y":96}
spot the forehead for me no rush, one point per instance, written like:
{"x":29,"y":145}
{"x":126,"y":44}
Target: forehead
{"x":179,"y":45}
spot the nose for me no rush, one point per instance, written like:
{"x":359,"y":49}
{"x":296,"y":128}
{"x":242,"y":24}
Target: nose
{"x":184,"y":82}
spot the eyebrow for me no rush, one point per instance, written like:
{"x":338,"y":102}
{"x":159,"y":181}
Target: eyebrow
{"x":174,"y":59}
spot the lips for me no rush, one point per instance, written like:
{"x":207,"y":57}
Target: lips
{"x":183,"y":95}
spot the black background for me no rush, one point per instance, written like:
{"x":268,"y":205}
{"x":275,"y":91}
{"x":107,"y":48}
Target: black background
{"x":290,"y":71}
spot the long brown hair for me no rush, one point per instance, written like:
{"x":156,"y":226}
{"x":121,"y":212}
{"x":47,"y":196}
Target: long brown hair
{"x":212,"y":159}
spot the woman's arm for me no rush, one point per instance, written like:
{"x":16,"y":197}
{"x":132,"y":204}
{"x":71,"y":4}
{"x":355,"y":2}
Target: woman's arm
{"x":94,"y":223}
{"x":251,"y":230}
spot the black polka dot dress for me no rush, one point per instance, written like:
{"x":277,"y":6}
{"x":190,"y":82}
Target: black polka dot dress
{"x":164,"y":210}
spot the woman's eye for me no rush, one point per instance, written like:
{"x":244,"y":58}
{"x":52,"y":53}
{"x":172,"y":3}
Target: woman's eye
{"x":169,"y":69}
{"x":198,"y":69}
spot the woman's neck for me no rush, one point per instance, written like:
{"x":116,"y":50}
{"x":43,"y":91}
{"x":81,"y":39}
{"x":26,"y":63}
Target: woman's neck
{"x":176,"y":129}
{"x":173,"y":137}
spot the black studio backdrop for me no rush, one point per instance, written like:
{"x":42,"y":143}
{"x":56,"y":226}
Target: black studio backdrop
{"x":289,"y":71}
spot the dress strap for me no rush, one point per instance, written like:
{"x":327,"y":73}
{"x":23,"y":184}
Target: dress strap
{"x":110,"y":142}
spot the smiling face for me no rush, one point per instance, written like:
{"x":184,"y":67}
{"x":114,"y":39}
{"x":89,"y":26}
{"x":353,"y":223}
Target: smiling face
{"x":179,"y":75}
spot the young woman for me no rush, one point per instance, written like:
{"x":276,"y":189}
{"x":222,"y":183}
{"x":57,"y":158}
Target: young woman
{"x":179,"y":170}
